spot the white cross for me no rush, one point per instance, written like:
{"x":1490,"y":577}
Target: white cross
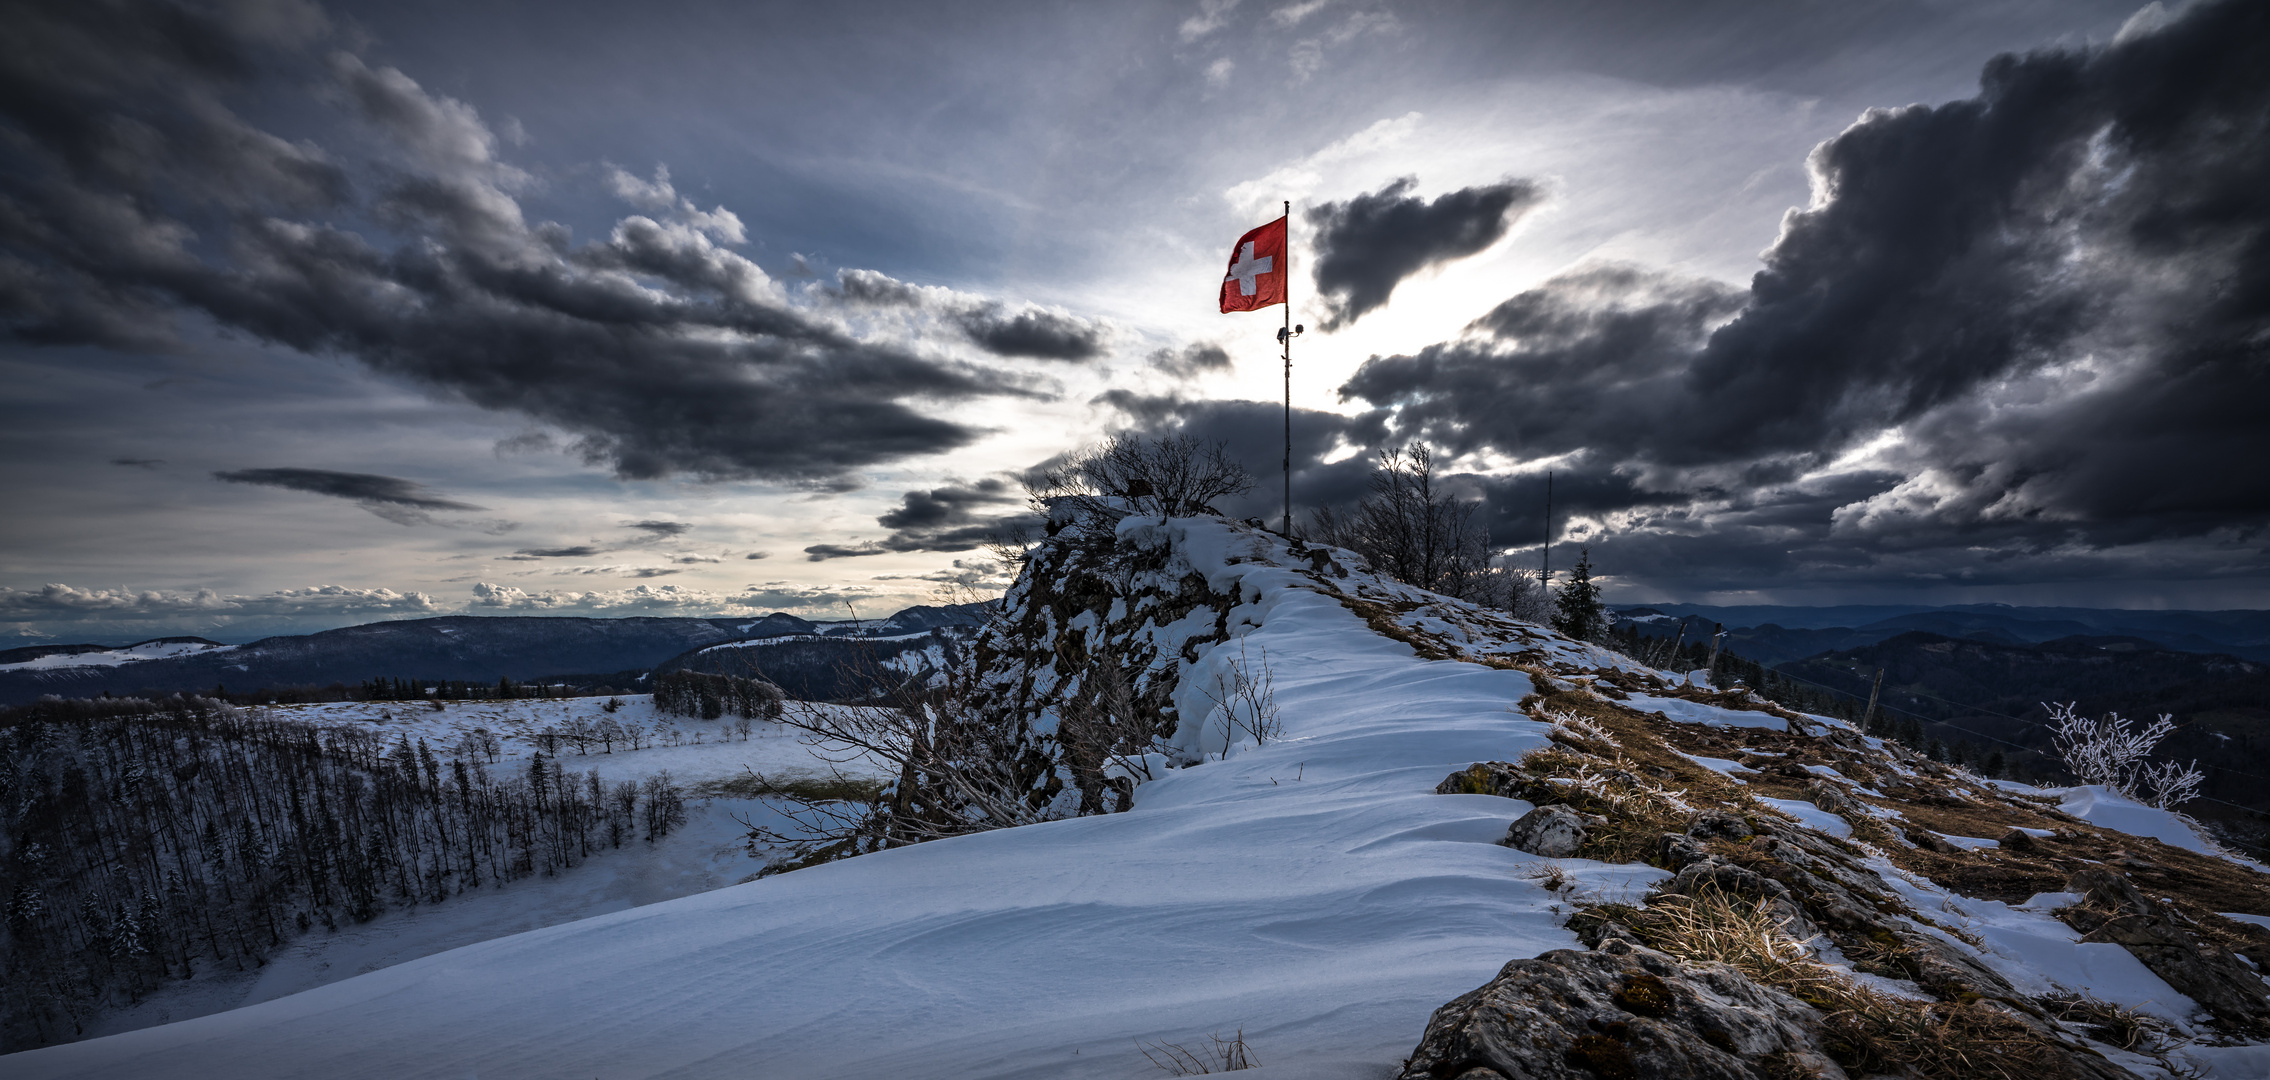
{"x":1246,"y":268}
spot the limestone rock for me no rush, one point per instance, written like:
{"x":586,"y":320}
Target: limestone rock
{"x":1485,"y":778}
{"x":1623,"y":1011}
{"x":1719,"y":826}
{"x":1555,"y":832}
{"x":1832,"y":798}
{"x":1679,"y":850}
{"x":2112,"y":910}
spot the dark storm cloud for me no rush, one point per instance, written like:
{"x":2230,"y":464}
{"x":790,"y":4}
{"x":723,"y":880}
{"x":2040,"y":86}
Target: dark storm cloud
{"x":660,"y":529}
{"x":1369,"y":244}
{"x":1039,"y":335}
{"x":1030,"y":333}
{"x":138,"y":462}
{"x":135,"y":193}
{"x":1568,"y":365}
{"x":373,"y":493}
{"x":1192,"y":360}
{"x":2054,"y":294}
{"x":949,"y":518}
{"x":580,"y":551}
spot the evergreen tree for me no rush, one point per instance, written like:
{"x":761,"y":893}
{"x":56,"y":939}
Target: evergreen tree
{"x":1577,"y":611}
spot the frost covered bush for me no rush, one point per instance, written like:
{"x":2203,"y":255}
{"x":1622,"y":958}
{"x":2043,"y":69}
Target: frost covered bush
{"x":2111,"y":752}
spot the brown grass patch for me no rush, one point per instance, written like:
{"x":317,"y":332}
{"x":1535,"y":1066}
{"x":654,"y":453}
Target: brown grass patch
{"x":1867,"y":1031}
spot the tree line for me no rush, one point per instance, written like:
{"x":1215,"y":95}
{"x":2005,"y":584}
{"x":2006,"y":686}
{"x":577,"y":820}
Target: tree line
{"x":145,"y":841}
{"x":694,"y":693}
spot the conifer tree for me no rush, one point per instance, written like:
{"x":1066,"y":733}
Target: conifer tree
{"x":1577,"y":611}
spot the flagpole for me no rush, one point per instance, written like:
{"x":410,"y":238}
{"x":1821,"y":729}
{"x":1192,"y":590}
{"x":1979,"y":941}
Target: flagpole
{"x":1288,"y":338}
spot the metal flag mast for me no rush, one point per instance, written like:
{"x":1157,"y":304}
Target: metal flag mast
{"x":1285,"y":338}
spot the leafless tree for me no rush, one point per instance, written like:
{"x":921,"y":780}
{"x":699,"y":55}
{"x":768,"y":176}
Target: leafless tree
{"x":958,"y":772}
{"x":1170,"y":475}
{"x":1414,"y":531}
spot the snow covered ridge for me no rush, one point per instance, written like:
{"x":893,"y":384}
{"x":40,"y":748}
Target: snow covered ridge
{"x":72,"y":656}
{"x":1303,"y":881}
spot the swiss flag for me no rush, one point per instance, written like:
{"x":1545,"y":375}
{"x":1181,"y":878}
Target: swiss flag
{"x":1257,"y":270}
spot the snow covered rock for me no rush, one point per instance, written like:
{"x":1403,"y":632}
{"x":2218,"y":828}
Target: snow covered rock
{"x":1555,"y":832}
{"x":1619,"y":1012}
{"x":2112,"y":910}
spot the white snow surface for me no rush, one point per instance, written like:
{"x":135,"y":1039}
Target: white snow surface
{"x":2102,"y":806}
{"x":154,"y":650}
{"x":1326,"y":916}
{"x":2039,"y":954}
{"x":721,"y":754}
{"x":1680,"y":710}
{"x":708,"y":852}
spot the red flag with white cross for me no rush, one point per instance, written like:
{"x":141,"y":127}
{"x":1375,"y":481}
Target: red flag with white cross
{"x":1257,"y":270}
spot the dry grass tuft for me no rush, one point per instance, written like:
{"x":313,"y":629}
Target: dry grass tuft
{"x":1868,"y":1031}
{"x":2111,"y":1024}
{"x":1201,"y":1059}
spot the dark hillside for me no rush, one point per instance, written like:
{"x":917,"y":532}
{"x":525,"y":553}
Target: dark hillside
{"x":1960,"y":690}
{"x":467,"y":647}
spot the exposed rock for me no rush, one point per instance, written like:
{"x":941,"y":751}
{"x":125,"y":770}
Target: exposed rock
{"x":1555,"y":832}
{"x":1678,"y":850}
{"x":1929,"y":841}
{"x":2017,"y":840}
{"x":1720,"y":826}
{"x":1713,"y":872}
{"x":2112,"y":910}
{"x":1485,"y":778}
{"x":1620,"y":1013}
{"x":1832,"y":798}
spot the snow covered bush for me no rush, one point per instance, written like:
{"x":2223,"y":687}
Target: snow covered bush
{"x":2111,"y":752}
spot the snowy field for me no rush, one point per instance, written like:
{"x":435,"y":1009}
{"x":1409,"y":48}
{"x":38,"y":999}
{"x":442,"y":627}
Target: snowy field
{"x":1327,"y":916}
{"x":1313,"y":892}
{"x":691,"y":750}
{"x":708,"y":852}
{"x":149,"y":650}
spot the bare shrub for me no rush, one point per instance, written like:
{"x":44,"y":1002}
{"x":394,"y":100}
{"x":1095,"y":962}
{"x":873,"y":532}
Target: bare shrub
{"x":1221,"y":1056}
{"x":1245,"y":692}
{"x":1172,"y":475}
{"x":1414,"y":531}
{"x":958,"y":773}
{"x":2112,"y":752}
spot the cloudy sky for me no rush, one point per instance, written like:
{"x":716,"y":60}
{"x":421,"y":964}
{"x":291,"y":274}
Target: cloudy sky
{"x":319,"y":315}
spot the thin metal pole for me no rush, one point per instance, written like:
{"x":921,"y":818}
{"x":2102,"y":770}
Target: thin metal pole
{"x":1545,"y":567}
{"x":1288,"y":339}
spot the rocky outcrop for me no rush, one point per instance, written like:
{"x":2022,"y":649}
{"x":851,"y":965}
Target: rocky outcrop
{"x":1555,"y":832}
{"x":1621,"y":1012}
{"x":2112,"y":910}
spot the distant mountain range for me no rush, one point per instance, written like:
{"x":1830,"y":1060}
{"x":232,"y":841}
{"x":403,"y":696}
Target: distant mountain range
{"x":1771,"y":635}
{"x":470,"y":648}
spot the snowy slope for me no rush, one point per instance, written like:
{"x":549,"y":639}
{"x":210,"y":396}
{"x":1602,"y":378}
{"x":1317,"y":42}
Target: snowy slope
{"x":124,"y":654}
{"x":702,"y":749}
{"x":1326,"y":915}
{"x":1313,"y":892}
